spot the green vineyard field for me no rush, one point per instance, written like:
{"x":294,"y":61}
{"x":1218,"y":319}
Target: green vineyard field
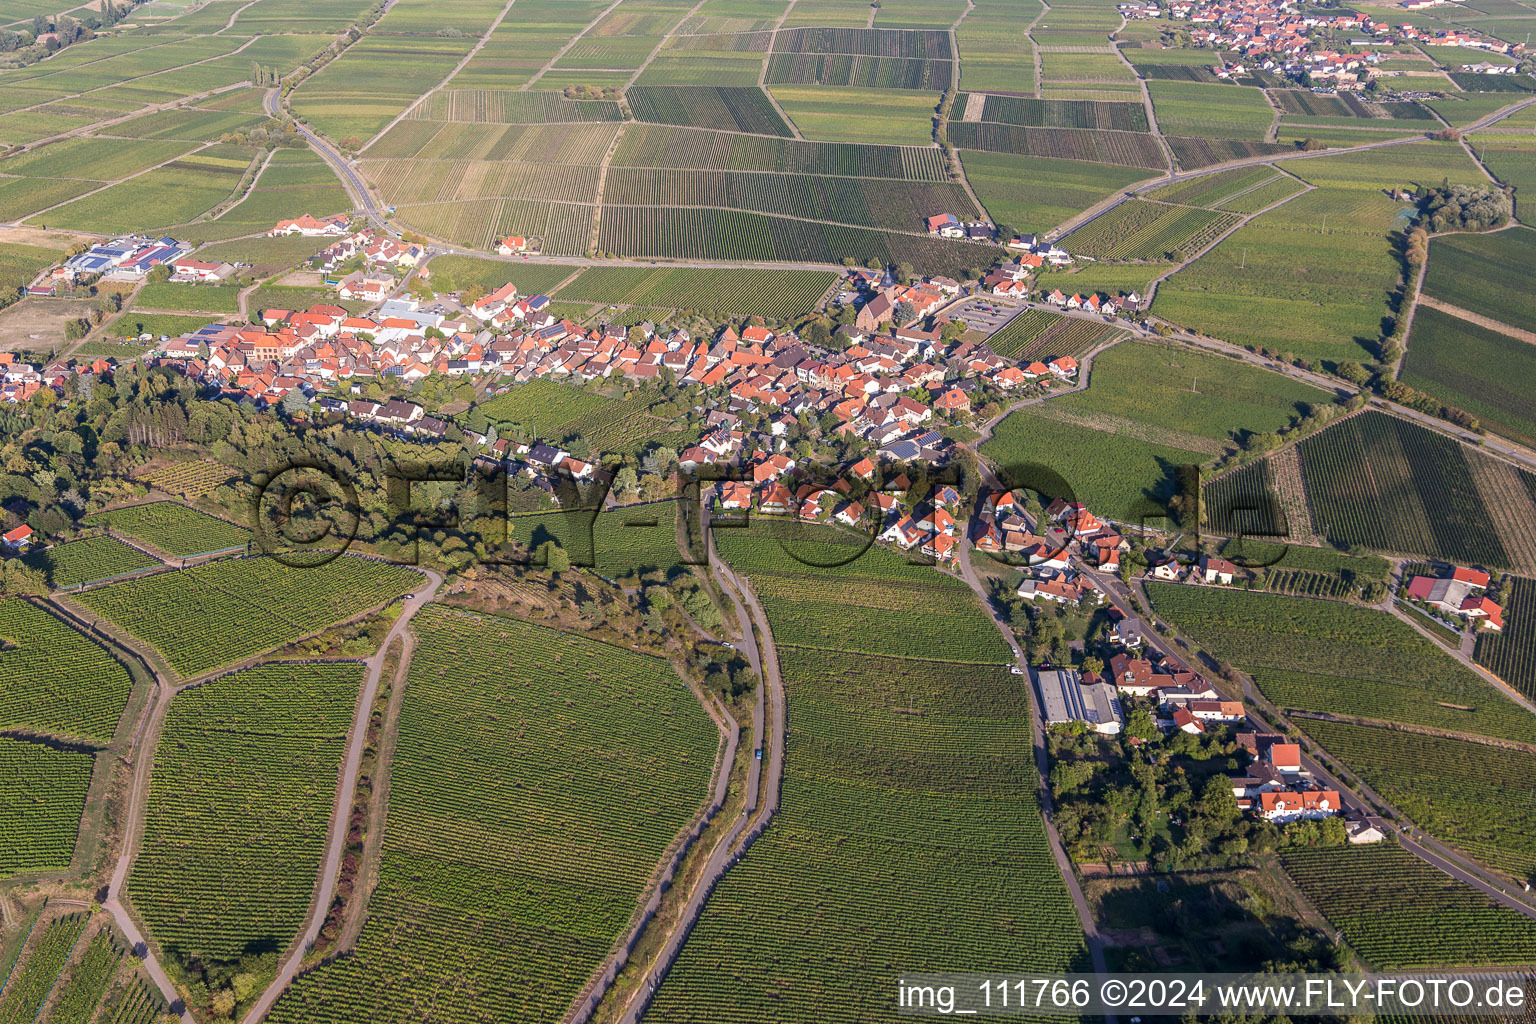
{"x":53,"y":679}
{"x":538,"y":778}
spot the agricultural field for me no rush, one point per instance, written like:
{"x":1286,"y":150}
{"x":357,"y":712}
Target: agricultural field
{"x":1125,"y":149}
{"x":870,"y":58}
{"x":190,"y":479}
{"x":87,"y":561}
{"x":493,"y":106}
{"x":774,"y":294}
{"x":1473,"y":796}
{"x":1399,"y":913}
{"x":726,"y":108}
{"x":1511,"y":655}
{"x":291,"y":183}
{"x":993,"y":53}
{"x":561,"y":412}
{"x":1308,"y":654}
{"x":1486,"y":273}
{"x":352,"y":98}
{"x":1109,"y":278}
{"x":1282,"y":282}
{"x":139,"y":1004}
{"x":88,"y":976}
{"x":1022,"y":110}
{"x":1210,"y":111}
{"x":175,"y":193}
{"x":859,"y":115}
{"x":239,"y":806}
{"x":1059,"y":189}
{"x":222,"y":612}
{"x":1144,"y":230}
{"x":1038,"y":334}
{"x":198,"y":298}
{"x":903,"y":776}
{"x":867,"y":202}
{"x":134,"y":324}
{"x":1240,"y":190}
{"x":513,"y":739}
{"x":522,"y":44}
{"x":1490,"y":375}
{"x":649,"y":232}
{"x":46,"y":790}
{"x":1193,"y":153}
{"x":1424,"y":494}
{"x":19,"y":264}
{"x":613,"y":542}
{"x":48,"y":950}
{"x":1123,"y":477}
{"x":1118,"y":444}
{"x":54,"y":679}
{"x":466,"y":271}
{"x":1305,"y":103}
{"x":173,"y":528}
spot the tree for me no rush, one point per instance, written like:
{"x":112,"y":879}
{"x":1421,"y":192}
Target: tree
{"x":1140,"y":725}
{"x":905,"y":272}
{"x":626,"y":483}
{"x":554,"y":557}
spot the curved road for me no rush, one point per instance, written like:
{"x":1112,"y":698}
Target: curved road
{"x":336,"y":843}
{"x":731,"y":846}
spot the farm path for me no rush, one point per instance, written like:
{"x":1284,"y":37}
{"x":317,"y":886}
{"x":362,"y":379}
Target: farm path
{"x":119,"y":181}
{"x":597,"y":194}
{"x":762,"y":73}
{"x":346,"y":784}
{"x":1042,"y":758}
{"x":1410,"y":315}
{"x":1273,"y":135}
{"x":1105,"y":205}
{"x":757,"y":813}
{"x":221,"y":210}
{"x":567,"y":47}
{"x":1240,"y":223}
{"x":598,"y":990}
{"x":485,"y":37}
{"x":1470,"y":317}
{"x":1462,"y":654}
{"x":1146,"y":99}
{"x":1034,"y":49}
{"x":1431,"y":851}
{"x":662,"y":43}
{"x":100,"y":330}
{"x":143,"y":759}
{"x":126,"y":81}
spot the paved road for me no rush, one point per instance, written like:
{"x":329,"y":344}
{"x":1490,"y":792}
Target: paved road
{"x":1467,"y":870}
{"x":735,"y":842}
{"x":336,"y":844}
{"x":1043,"y":766}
